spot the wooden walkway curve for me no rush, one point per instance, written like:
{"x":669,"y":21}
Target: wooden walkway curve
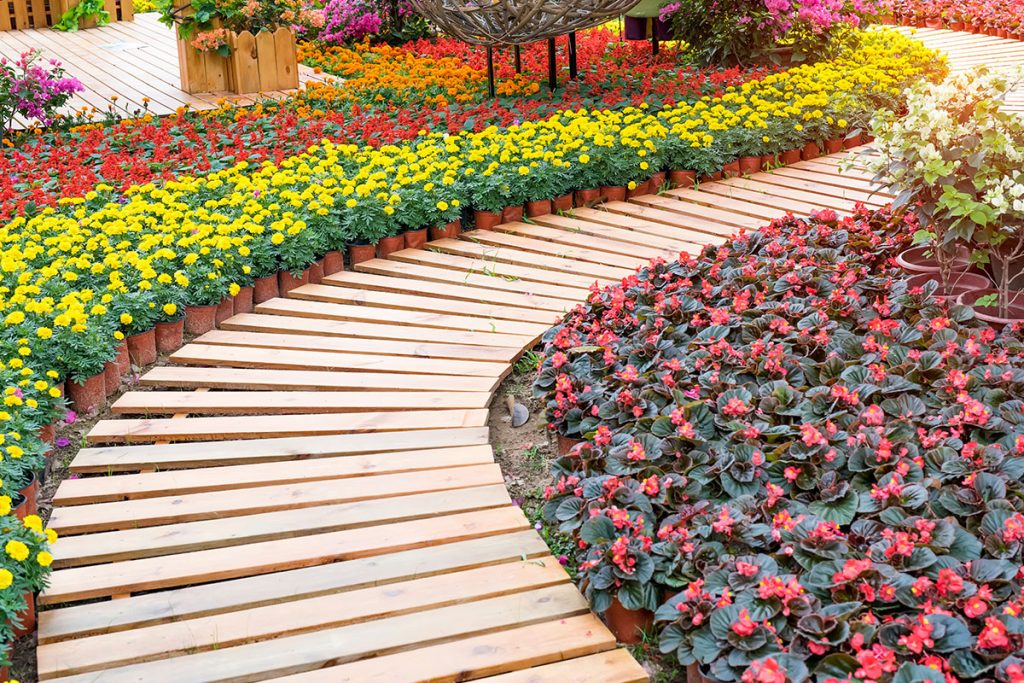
{"x":308,"y":493}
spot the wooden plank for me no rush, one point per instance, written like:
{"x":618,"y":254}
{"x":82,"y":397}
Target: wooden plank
{"x":287,"y":73}
{"x":282,"y":402}
{"x":309,"y":651}
{"x":338,"y":293}
{"x":111,"y":459}
{"x":566,"y":248}
{"x":266,"y":60}
{"x":255,"y":379}
{"x":490,"y":267}
{"x":443,"y":290}
{"x":705,"y":232}
{"x":718,"y":219}
{"x":191,"y":507}
{"x":476,"y":657}
{"x":613,"y":666}
{"x":177,"y":482}
{"x":765,"y":181}
{"x":495,"y":354}
{"x":272,"y":621}
{"x":247,"y":73}
{"x":326,"y":311}
{"x":83,"y":583}
{"x":290,"y":359}
{"x":748,"y":215}
{"x":660,"y":237}
{"x":269,"y":426}
{"x":469,"y":248}
{"x":291,"y":324}
{"x":307,"y":582}
{"x":795,"y":201}
{"x":432,"y":275}
{"x":133,"y":543}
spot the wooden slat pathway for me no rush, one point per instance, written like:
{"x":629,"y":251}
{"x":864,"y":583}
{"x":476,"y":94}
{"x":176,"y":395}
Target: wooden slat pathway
{"x":309,"y":493}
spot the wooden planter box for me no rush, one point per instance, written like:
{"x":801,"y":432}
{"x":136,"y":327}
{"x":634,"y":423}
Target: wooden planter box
{"x":260,"y":63}
{"x":17,"y":15}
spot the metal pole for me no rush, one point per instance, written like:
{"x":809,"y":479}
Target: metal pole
{"x":552,"y":74}
{"x":490,"y":71}
{"x":573,"y":71}
{"x":654,"y":39}
{"x":519,"y":59}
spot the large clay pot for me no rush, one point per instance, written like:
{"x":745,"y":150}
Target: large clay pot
{"x":749,"y":165}
{"x":790,"y":156}
{"x":613,"y":193}
{"x":243,"y":300}
{"x":200,"y":319}
{"x":711,"y":177}
{"x":361,"y":252}
{"x":111,"y":378}
{"x":27,"y":617}
{"x":566,"y":443}
{"x":315,"y":273}
{"x":142,"y":348}
{"x":538,"y":207}
{"x":933,"y":22}
{"x":512,"y":214}
{"x":991,"y":314}
{"x":960,"y":283}
{"x":170,"y":335}
{"x":225,"y":309}
{"x":731,"y":169}
{"x":834,"y":145}
{"x":89,"y":395}
{"x":922,"y":260}
{"x":656,"y":182}
{"x":416,"y":239}
{"x":334,"y":262}
{"x":265,"y":289}
{"x":680,"y":178}
{"x":628,"y":625}
{"x":563,"y":203}
{"x":449,"y":230}
{"x":123,"y":360}
{"x":587,"y":197}
{"x":639,"y":190}
{"x":485,"y":220}
{"x":810,"y":151}
{"x":286,"y":281}
{"x":389,"y":245}
{"x":851,"y":141}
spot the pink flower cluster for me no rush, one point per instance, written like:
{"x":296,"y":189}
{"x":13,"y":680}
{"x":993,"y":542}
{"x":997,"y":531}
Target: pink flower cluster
{"x":349,"y":21}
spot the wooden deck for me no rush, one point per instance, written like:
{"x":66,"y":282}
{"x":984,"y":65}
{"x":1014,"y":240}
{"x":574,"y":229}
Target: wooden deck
{"x":122,"y":64}
{"x":309,"y":493}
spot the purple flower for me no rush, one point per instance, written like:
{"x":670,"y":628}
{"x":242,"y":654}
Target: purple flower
{"x":62,"y":442}
{"x":70,"y":417}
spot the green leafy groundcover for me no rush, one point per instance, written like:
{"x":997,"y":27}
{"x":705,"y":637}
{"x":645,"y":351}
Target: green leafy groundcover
{"x":809,"y":470}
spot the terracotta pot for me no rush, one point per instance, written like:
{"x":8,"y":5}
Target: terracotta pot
{"x":512,"y":214}
{"x":563,"y":203}
{"x":19,"y":508}
{"x":886,"y":20}
{"x":225,"y":309}
{"x":613,"y":193}
{"x":485,"y":220}
{"x":334,"y":262}
{"x":30,"y":492}
{"x":833,"y":145}
{"x":956,"y":26}
{"x":682,"y":178}
{"x":361,"y":252}
{"x":960,"y":283}
{"x":693,"y":674}
{"x":48,"y":432}
{"x":243,"y":301}
{"x":640,"y":190}
{"x":123,"y":360}
{"x":566,"y":443}
{"x":790,"y":156}
{"x":389,"y":245}
{"x":416,"y":239}
{"x":1002,"y":33}
{"x":169,"y":335}
{"x":449,"y":230}
{"x":769,"y":161}
{"x":88,"y":396}
{"x":921,"y":260}
{"x":711,"y":177}
{"x":731,"y":169}
{"x":111,"y":378}
{"x":749,"y":165}
{"x":990,"y":314}
{"x":27,"y":617}
{"x":587,"y":197}
{"x":810,"y":151}
{"x":142,"y":348}
{"x":992,"y":31}
{"x":851,"y":141}
{"x":315,"y":272}
{"x":538,"y":207}
{"x":628,"y":625}
{"x":933,"y":23}
{"x":265,"y":289}
{"x":200,"y":319}
{"x":657,"y":181}
{"x":61,"y":386}
{"x":286,"y":282}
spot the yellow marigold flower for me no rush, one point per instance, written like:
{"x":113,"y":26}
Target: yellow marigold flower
{"x":44,"y":558}
{"x":6,"y":579}
{"x":33,"y":522}
{"x":44,"y":333}
{"x":17,"y":550}
{"x":170,"y":309}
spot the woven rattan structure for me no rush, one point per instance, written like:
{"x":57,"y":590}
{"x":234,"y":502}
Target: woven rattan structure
{"x":515,"y":22}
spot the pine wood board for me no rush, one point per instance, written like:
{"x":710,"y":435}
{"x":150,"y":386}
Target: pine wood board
{"x":387,"y":347}
{"x":565,"y":248}
{"x":468,"y":247}
{"x":827,"y":191}
{"x":612,"y":666}
{"x":308,"y":380}
{"x":282,"y":402}
{"x":675,"y":204}
{"x":314,"y":650}
{"x":657,"y":236}
{"x":170,"y":482}
{"x":109,"y":459}
{"x":300,"y":616}
{"x":755,"y":189}
{"x":270,"y":426}
{"x":679,"y":229}
{"x":593,"y":237}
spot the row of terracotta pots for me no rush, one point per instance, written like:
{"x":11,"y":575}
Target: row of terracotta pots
{"x":142,"y":349}
{"x":410,"y":239}
{"x":939,"y":22}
